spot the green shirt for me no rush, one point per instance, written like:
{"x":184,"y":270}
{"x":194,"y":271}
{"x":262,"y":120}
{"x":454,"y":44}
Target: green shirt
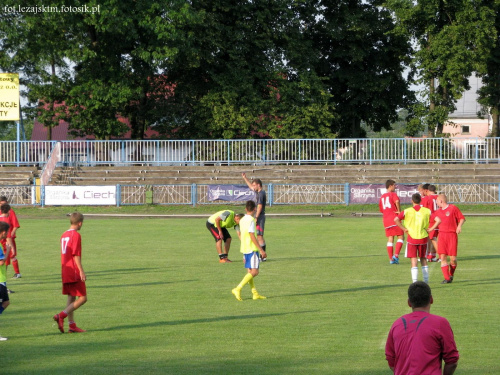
{"x":226,"y":216}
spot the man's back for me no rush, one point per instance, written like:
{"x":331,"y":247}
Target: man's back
{"x":418,"y":342}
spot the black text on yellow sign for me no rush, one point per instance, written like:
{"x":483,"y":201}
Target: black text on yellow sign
{"x":9,"y":97}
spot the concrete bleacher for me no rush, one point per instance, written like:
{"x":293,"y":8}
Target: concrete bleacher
{"x":17,"y":175}
{"x":277,"y":174}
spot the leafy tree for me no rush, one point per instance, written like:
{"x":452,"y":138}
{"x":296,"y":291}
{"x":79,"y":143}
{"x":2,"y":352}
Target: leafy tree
{"x":360,"y":56}
{"x":35,"y":45}
{"x":452,"y":39}
{"x":236,"y":79}
{"x":99,"y":64}
{"x":489,"y":93}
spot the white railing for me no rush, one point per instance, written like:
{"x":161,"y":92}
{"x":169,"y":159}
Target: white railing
{"x":256,"y":151}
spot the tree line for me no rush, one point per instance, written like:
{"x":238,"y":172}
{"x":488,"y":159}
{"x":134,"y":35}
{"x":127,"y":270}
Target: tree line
{"x":252,"y":68}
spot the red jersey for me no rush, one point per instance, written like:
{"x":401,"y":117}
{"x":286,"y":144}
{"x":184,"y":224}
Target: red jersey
{"x":71,"y":246}
{"x":14,"y":223}
{"x":431,"y":203}
{"x":387,"y":206}
{"x":6,"y":219}
{"x":418,"y":342}
{"x":450,"y":217}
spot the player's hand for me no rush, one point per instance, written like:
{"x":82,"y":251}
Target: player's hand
{"x":83,"y":277}
{"x":405,"y":230}
{"x":263,"y":254}
{"x":244,"y":175}
{"x":221,"y":235}
{"x":459,"y":229}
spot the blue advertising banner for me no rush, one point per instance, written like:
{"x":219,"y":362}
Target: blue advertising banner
{"x":371,"y":193}
{"x":230,"y":193}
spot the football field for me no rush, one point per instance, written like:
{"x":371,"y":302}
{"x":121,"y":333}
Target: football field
{"x":160,"y":303}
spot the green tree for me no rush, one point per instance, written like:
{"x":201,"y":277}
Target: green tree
{"x":100,"y":64}
{"x":236,"y":79}
{"x":489,"y":93}
{"x":452,"y":40}
{"x":358,"y":52}
{"x":35,"y":46}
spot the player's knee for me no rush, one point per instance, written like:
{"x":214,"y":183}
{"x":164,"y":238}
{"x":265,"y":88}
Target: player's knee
{"x":82,"y":300}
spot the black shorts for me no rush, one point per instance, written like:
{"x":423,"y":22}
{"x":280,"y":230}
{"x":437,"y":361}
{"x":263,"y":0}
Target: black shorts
{"x":4,"y":295}
{"x":215,"y":232}
{"x":261,"y":223}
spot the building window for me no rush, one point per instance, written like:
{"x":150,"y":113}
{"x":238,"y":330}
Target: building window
{"x":465,"y":129}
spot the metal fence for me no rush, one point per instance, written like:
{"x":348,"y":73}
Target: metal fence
{"x":277,"y":194}
{"x":256,"y":151}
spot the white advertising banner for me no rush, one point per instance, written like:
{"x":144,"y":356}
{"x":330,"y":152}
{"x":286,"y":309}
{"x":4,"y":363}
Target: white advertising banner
{"x":80,"y":195}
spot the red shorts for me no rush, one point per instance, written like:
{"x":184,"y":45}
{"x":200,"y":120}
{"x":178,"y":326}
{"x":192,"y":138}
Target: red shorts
{"x":393,"y":231}
{"x":416,"y":251}
{"x":433,"y":234}
{"x":77,"y":289}
{"x":448,"y":244}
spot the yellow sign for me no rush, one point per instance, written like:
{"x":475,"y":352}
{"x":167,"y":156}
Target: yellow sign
{"x":9,"y":97}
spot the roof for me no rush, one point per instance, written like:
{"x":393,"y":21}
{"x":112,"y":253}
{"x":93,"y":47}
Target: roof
{"x":62,"y":132}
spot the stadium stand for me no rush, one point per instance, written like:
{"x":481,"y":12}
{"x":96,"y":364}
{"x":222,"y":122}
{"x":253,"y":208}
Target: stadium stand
{"x":17,"y":175}
{"x":303,"y":174}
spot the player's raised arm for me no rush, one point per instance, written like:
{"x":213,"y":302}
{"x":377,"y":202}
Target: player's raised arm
{"x":247,"y":181}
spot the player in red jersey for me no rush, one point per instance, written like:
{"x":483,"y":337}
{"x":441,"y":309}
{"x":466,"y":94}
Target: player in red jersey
{"x":6,"y":242}
{"x":73,"y":276}
{"x":14,"y":223}
{"x":450,"y":220}
{"x":390,"y":208}
{"x":418,"y":342}
{"x":431,"y":204}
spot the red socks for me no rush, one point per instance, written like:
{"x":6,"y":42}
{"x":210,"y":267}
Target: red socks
{"x":15,"y":265}
{"x":390,"y":250}
{"x":446,"y":272}
{"x":399,"y":245}
{"x":452,"y":269}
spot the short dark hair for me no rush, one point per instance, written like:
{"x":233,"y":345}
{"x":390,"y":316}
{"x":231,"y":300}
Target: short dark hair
{"x":419,"y":294}
{"x":416,"y":198}
{"x":257,"y":181}
{"x":389,"y":183}
{"x":3,"y":198}
{"x":425,"y":186}
{"x":432,"y":188}
{"x":4,"y":227}
{"x":239,"y":216}
{"x":5,"y":208}
{"x":250,"y":206}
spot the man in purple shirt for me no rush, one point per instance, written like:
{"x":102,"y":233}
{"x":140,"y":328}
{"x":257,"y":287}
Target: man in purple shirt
{"x":418,"y":342}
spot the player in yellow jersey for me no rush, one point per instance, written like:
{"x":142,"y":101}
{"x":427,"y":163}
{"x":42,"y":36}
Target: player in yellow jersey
{"x":416,"y":223}
{"x":218,"y":225}
{"x":250,"y":248}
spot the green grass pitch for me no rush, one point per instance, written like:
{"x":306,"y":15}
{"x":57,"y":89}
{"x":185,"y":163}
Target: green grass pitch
{"x":160,"y":303}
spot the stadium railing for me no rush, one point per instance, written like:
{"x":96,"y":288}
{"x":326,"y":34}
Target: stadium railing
{"x":277,"y":194}
{"x":255,"y":151}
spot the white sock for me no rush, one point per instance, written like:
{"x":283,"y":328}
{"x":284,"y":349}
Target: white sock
{"x":414,"y":273}
{"x":425,"y":273}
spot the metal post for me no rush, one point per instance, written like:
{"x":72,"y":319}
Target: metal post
{"x":346,"y":193}
{"x":194,"y":194}
{"x":118,"y":195}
